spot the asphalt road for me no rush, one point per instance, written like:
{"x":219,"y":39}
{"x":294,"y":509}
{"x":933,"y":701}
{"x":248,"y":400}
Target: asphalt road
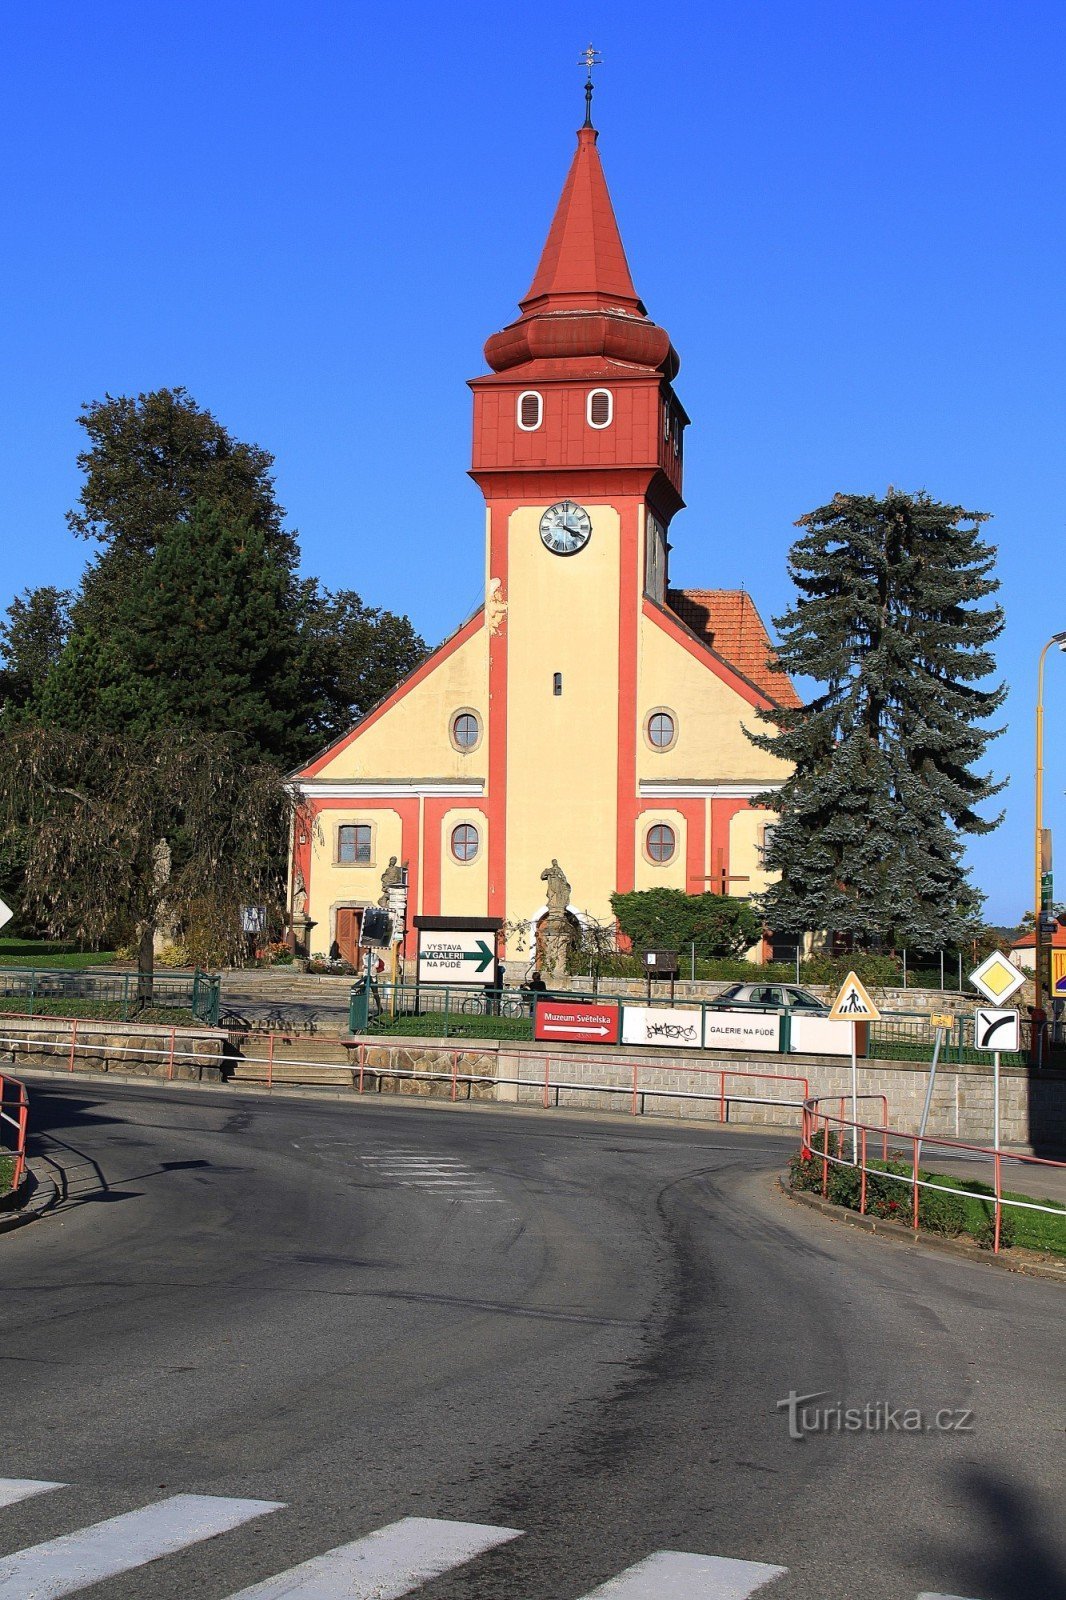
{"x":576,"y":1328}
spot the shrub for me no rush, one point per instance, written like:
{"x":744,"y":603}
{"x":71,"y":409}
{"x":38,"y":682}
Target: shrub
{"x":941,"y":1213}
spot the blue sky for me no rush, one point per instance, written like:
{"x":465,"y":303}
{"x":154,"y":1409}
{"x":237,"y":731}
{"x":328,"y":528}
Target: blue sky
{"x":851,"y":218}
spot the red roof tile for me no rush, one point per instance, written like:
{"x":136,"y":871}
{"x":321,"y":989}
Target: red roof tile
{"x":726,"y":619}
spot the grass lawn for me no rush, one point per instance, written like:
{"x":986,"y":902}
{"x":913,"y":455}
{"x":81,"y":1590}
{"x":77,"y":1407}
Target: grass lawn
{"x":49,"y":953}
{"x":7,"y":1173}
{"x":1035,"y":1230}
{"x":100,"y":1010}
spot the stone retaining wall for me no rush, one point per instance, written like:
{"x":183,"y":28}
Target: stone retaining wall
{"x":140,"y":1048}
{"x":1032,"y":1105}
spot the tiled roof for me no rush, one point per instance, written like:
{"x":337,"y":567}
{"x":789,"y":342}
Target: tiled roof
{"x":727,"y":620}
{"x":1050,"y":941}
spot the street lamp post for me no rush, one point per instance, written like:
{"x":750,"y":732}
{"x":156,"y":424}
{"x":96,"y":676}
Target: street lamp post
{"x":1038,"y":942}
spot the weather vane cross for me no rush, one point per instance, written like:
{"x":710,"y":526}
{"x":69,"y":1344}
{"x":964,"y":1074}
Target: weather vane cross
{"x":590,"y":57}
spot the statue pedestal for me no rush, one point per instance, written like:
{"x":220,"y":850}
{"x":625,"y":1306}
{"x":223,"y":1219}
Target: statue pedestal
{"x":557,"y":937}
{"x":300,"y":935}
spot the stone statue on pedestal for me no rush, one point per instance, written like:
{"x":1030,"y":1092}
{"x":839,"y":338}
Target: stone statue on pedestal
{"x":557,"y":930}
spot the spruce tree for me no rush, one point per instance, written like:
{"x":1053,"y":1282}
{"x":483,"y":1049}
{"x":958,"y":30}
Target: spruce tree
{"x":889,"y":620}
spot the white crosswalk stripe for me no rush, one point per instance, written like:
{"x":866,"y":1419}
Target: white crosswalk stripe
{"x":12,"y":1490}
{"x":391,"y":1562}
{"x":76,"y":1560}
{"x":440,"y":1174}
{"x":672,"y":1575}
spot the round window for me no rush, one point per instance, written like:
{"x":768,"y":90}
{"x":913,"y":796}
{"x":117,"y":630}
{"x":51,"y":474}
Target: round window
{"x":662,"y":842}
{"x":661,"y":730}
{"x":464,"y":842}
{"x":466,"y":730}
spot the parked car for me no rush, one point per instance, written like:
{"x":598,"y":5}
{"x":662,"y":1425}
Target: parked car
{"x":769,"y":996}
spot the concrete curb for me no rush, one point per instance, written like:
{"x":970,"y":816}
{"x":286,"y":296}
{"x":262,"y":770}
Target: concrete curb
{"x":1026,"y":1263}
{"x":35,"y":1195}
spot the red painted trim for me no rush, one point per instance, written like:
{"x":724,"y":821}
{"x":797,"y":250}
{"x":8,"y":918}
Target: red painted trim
{"x":722,"y":814}
{"x":496,"y":796}
{"x":442,"y":652}
{"x":628,"y":642}
{"x":707,"y":658}
{"x":695,"y":814}
{"x":407,"y":811}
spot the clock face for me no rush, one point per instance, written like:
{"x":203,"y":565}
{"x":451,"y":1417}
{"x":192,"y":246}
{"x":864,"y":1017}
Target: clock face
{"x":565,"y":528}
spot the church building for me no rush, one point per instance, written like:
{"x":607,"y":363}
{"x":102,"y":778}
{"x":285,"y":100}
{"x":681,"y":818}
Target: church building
{"x":587,"y":711}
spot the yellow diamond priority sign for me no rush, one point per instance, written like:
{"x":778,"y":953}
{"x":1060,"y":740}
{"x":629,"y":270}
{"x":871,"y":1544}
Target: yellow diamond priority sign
{"x":996,"y":977}
{"x":853,"y":1004}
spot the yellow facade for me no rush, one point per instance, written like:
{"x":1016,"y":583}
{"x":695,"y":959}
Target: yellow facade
{"x":562,"y":749}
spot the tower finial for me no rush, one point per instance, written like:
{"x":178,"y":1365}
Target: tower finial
{"x":590,"y":57}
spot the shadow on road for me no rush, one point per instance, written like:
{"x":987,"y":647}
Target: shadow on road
{"x":1012,"y":1557}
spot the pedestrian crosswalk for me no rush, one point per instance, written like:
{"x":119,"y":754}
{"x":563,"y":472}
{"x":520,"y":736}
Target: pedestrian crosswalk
{"x":446,"y":1176}
{"x":386,"y":1564}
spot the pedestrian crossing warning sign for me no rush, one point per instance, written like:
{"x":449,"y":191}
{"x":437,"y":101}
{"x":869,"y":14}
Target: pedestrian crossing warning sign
{"x":853,"y":1004}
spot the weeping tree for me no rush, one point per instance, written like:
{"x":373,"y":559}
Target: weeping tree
{"x":890,"y":621}
{"x":118,"y":833}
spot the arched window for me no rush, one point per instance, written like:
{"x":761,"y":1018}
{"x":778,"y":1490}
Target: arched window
{"x":530,"y":411}
{"x":465,"y":841}
{"x":600,"y":408}
{"x":662,"y":842}
{"x":661,"y":730}
{"x":466,"y":730}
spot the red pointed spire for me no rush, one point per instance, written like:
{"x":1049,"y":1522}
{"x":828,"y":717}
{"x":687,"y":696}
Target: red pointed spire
{"x":584,"y":261}
{"x":581,"y":304}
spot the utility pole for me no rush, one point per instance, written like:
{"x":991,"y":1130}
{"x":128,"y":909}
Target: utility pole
{"x":1038,"y":834}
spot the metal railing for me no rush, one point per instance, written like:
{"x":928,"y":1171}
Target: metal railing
{"x":46,"y":991}
{"x":457,"y":1012}
{"x":632,"y":1083}
{"x":826,"y":1138}
{"x":14,"y":1123}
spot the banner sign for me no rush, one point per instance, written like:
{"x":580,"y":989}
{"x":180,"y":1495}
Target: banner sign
{"x":741,"y":1030}
{"x":575,"y":1022}
{"x":821,"y":1036}
{"x":661,"y":1025}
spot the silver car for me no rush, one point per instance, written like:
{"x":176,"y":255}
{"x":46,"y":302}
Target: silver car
{"x":769,"y":997}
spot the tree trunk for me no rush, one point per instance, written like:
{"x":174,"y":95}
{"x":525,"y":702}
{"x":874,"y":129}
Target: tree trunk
{"x":145,"y":962}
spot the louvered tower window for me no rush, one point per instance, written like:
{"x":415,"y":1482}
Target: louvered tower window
{"x":530,"y":411}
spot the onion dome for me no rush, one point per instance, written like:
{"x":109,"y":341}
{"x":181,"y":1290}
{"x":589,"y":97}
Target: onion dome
{"x":582,"y":303}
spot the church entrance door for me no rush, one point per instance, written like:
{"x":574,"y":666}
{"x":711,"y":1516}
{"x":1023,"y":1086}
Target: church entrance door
{"x":349,"y":921}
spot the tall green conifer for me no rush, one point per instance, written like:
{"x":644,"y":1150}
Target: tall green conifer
{"x":890,"y":622}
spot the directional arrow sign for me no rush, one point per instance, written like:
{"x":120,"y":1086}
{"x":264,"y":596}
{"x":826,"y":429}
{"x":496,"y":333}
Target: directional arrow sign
{"x":483,"y":955}
{"x":6,"y":914}
{"x":996,"y":1030}
{"x":455,"y":955}
{"x":573,"y":1022}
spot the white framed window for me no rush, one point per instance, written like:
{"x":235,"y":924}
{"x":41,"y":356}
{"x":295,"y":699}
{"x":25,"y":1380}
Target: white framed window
{"x":599,"y":408}
{"x":464,"y":842}
{"x":660,"y":843}
{"x":465,"y":730}
{"x":355,"y":844}
{"x":530,"y":410}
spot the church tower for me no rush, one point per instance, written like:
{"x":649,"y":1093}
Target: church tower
{"x":578,"y":440}
{"x":587,"y":711}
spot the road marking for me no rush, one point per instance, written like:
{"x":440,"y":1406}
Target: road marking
{"x":672,"y":1575}
{"x":76,"y":1560}
{"x":12,"y":1490}
{"x":927,"y":1594}
{"x":388,"y":1563}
